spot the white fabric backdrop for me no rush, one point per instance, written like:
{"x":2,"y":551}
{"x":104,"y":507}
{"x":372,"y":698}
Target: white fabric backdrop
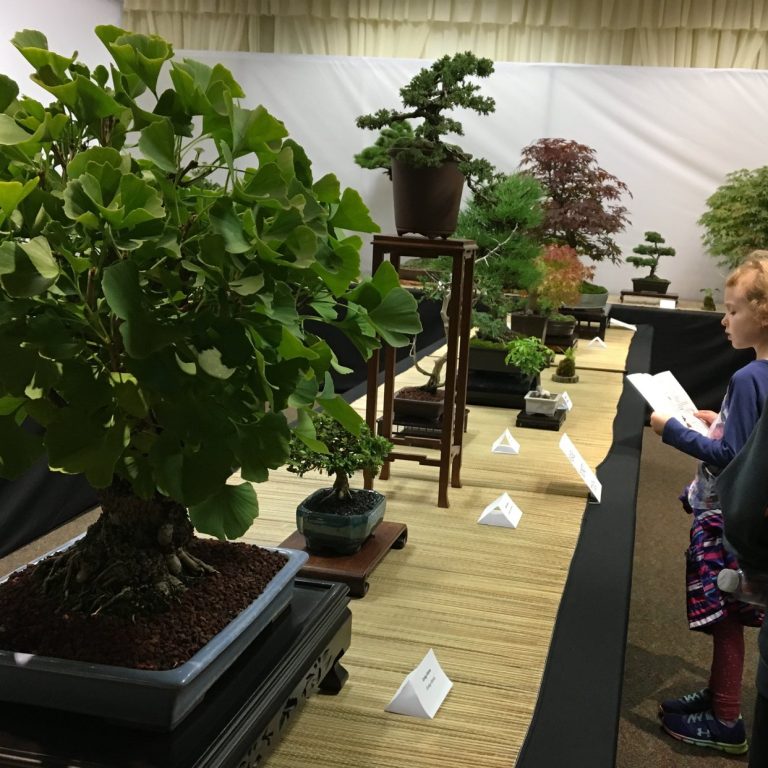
{"x":670,"y":134}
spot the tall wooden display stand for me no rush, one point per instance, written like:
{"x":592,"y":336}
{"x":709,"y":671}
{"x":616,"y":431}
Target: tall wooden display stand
{"x":459,"y":312}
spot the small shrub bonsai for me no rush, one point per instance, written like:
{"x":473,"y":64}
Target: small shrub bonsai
{"x":337,"y":519}
{"x":379,"y":154}
{"x":582,"y":208}
{"x":443,"y":86}
{"x":326,"y":446}
{"x":529,"y":354}
{"x":736,"y":220}
{"x":708,"y":299}
{"x":563,"y":276}
{"x":153,"y":304}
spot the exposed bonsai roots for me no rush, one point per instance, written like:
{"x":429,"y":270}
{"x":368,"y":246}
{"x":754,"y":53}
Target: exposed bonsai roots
{"x":133,"y":559}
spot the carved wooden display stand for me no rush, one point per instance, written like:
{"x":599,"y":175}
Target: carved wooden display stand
{"x":239,"y":722}
{"x":459,"y":310}
{"x":352,"y":570}
{"x":590,"y":321}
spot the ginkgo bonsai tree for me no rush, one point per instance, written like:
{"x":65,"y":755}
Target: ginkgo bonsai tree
{"x":161,"y":250}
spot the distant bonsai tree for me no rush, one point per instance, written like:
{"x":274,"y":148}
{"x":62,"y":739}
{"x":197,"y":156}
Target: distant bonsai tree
{"x":582,"y":208}
{"x":435,"y":90}
{"x":736,"y":220}
{"x":650,"y":252}
{"x":337,"y":452}
{"x":708,"y":299}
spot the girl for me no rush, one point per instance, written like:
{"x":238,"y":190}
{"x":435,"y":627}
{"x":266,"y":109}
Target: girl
{"x":711,"y":717}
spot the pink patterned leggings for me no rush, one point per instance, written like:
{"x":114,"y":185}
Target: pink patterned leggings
{"x":727,"y":667}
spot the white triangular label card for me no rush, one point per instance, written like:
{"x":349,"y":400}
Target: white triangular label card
{"x":423,"y":690}
{"x":667,"y":304}
{"x":505,"y":443}
{"x":581,"y":466}
{"x":566,"y":401}
{"x":502,"y":512}
{"x":597,"y":342}
{"x":614,"y":323}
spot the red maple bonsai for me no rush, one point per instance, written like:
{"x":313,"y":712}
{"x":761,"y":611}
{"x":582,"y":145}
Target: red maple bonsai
{"x":582,"y":208}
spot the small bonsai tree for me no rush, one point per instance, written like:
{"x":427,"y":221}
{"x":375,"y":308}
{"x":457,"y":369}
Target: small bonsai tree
{"x":708,"y":299}
{"x":563,"y":276}
{"x":736,"y":220}
{"x":582,"y":208}
{"x":566,"y":368}
{"x":650,"y":252}
{"x":327,"y":446}
{"x":530,"y":354}
{"x":434,"y":91}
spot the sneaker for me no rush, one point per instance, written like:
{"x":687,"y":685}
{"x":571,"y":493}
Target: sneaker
{"x":704,"y":730}
{"x":688,"y":704}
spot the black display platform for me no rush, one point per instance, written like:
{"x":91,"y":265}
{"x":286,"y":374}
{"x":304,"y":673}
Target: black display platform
{"x":541,"y":420}
{"x":238,"y":723}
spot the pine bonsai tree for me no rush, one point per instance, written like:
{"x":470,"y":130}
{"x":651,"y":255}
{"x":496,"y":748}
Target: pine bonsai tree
{"x":651,"y":251}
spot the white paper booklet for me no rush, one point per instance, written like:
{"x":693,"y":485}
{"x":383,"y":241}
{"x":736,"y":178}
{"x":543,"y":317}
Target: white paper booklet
{"x":665,"y":394}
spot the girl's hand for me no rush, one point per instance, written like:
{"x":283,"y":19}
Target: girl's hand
{"x":658,"y":420}
{"x":706,"y":416}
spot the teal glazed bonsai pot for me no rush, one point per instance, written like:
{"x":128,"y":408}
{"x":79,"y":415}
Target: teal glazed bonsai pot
{"x":330,"y":532}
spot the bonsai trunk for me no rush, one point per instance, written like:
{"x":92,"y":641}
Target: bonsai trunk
{"x":132,"y":560}
{"x":341,"y":490}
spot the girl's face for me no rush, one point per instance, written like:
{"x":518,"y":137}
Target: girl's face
{"x":742,"y":327}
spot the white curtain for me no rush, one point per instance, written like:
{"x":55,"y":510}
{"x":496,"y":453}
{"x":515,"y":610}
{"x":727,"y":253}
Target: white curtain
{"x":678,"y":33}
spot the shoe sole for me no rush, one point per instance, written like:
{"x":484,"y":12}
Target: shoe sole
{"x":731,"y":749}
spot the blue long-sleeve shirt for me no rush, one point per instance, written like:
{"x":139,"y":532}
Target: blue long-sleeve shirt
{"x":741,"y":408}
{"x":742,"y":405}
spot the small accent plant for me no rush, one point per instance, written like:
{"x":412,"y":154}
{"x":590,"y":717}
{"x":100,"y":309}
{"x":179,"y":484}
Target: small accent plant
{"x":328,"y":447}
{"x":529,"y":354}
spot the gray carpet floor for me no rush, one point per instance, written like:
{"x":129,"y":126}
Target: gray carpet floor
{"x":664,"y":658}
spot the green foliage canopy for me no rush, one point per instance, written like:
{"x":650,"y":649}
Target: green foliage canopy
{"x":161,"y":251}
{"x":736,"y":220}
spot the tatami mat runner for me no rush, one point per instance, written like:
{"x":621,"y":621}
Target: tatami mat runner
{"x":483,"y":598}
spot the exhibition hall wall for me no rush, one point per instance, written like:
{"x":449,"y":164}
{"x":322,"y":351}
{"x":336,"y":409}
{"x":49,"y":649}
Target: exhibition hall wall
{"x":670,"y":134}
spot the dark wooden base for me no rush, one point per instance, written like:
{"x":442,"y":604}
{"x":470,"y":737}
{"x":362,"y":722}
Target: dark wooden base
{"x":540,"y":420}
{"x":561,"y":343}
{"x":238,"y":723}
{"x":352,"y":570}
{"x":411,"y":426}
{"x":648,"y":295}
{"x":590,"y":321}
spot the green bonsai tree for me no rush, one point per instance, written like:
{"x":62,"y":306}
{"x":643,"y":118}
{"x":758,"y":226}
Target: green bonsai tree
{"x":331,"y":448}
{"x":736,"y":220}
{"x":650,"y":252}
{"x":529,"y":354}
{"x":161,"y":252}
{"x":566,"y":367}
{"x":708,"y":299}
{"x":432,"y":92}
{"x":582,"y":207}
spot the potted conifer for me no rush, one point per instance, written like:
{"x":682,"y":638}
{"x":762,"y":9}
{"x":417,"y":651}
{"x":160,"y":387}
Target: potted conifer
{"x":161,"y":251}
{"x":649,"y":254}
{"x":428,"y":172}
{"x":338,"y":520}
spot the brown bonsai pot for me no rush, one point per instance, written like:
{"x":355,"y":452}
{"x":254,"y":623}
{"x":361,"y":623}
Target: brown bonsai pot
{"x":649,"y":285}
{"x":426,"y":200}
{"x":418,"y":403}
{"x":528,"y":324}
